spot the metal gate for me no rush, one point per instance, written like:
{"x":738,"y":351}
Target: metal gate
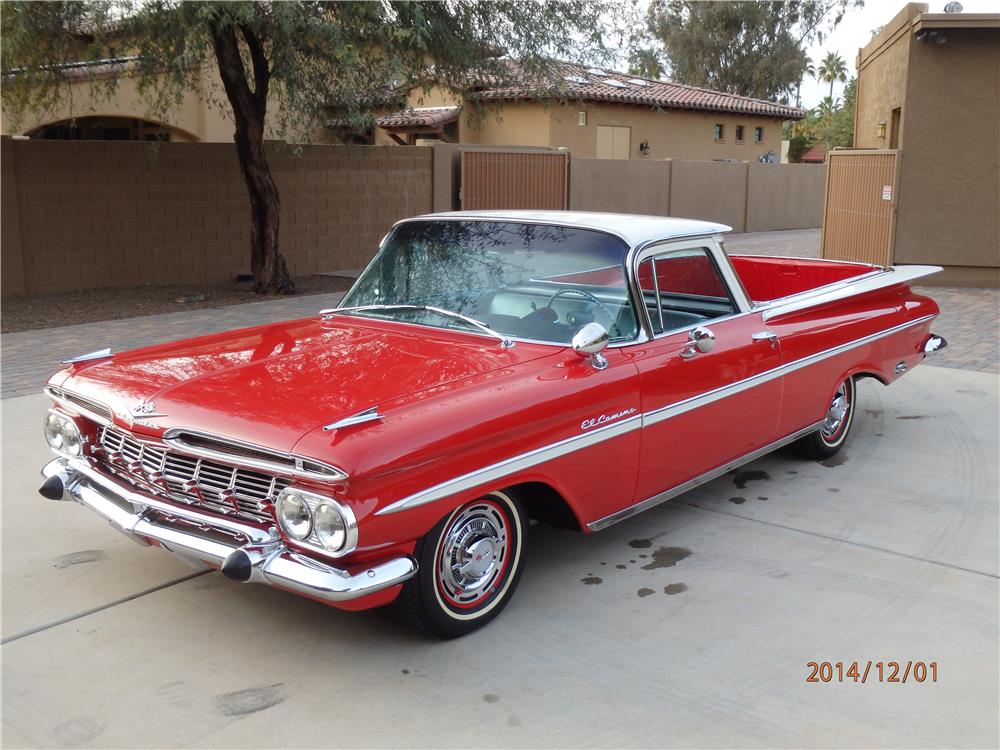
{"x":860,"y":209}
{"x":515,"y":180}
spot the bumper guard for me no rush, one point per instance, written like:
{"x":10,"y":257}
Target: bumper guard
{"x":242,"y":551}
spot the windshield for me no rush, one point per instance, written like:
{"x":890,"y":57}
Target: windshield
{"x":527,"y":281}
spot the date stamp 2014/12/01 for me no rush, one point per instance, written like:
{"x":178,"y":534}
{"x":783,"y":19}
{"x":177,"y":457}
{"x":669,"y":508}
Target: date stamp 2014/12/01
{"x":872,"y":671}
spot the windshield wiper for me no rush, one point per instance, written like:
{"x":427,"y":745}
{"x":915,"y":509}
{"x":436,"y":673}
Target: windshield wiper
{"x":505,"y":341}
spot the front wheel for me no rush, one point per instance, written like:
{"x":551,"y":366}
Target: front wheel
{"x":470,"y":563}
{"x":832,"y":435}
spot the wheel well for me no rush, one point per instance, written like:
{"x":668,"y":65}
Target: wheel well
{"x":872,"y":375}
{"x":545,"y":504}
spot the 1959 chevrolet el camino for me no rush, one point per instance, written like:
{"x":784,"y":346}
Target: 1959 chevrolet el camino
{"x":486,"y":369}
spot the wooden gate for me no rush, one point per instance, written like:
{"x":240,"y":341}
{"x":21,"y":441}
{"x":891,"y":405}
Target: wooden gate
{"x":515,"y":180}
{"x":860,"y":209}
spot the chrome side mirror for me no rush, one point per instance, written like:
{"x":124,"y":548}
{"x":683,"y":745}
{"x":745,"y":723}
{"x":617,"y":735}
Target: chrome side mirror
{"x":589,"y":342}
{"x":700,"y":340}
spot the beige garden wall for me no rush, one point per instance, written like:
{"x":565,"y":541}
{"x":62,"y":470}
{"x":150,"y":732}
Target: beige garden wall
{"x":749,"y":197}
{"x":93,"y":214}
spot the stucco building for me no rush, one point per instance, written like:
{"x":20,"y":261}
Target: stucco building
{"x":604,"y":114}
{"x":929,"y":86}
{"x":598,"y":113}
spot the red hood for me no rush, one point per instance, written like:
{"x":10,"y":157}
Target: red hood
{"x":272,"y":384}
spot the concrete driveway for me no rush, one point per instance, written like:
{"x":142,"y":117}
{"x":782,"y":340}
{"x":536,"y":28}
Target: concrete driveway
{"x":689,"y":625}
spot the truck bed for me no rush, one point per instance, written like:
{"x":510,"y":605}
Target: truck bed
{"x":767,"y":278}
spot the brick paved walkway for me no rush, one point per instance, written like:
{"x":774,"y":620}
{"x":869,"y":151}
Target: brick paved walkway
{"x":970,"y":321}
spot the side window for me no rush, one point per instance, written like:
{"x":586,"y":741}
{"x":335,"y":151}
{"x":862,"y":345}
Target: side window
{"x":683,"y":288}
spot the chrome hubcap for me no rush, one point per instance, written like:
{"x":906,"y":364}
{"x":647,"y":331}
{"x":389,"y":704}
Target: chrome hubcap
{"x":473,"y":554}
{"x":838,"y":410}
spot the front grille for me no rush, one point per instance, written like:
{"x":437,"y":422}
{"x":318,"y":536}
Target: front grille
{"x":133,"y":460}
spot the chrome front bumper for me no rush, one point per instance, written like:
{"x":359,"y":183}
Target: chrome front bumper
{"x":243,"y":552}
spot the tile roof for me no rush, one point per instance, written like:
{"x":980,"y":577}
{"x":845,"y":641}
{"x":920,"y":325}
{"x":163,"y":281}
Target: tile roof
{"x":600,"y":85}
{"x":815,"y":153}
{"x":419,"y":117}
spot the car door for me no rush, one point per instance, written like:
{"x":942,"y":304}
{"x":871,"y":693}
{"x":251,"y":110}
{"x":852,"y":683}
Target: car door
{"x":703,"y":406}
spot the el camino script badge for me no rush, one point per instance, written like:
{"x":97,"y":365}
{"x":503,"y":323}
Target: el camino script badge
{"x":605,"y":418}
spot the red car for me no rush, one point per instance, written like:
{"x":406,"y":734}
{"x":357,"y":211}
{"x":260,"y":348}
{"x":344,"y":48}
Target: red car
{"x":486,"y":369}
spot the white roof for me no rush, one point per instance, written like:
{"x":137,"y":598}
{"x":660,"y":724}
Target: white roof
{"x":635,"y":229}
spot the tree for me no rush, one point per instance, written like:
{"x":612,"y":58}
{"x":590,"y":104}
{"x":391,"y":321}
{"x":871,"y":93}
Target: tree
{"x":645,"y":62}
{"x":807,"y":70}
{"x":754,"y":48}
{"x":282,"y":65}
{"x":832,"y":68}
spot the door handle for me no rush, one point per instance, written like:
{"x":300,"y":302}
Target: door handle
{"x":700,"y":339}
{"x":770,"y":336}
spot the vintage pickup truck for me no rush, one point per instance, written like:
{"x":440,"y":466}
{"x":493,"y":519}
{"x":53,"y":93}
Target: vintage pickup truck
{"x":487,"y":369}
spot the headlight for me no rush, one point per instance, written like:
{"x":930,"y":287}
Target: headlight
{"x":62,"y":434}
{"x":317,"y":521}
{"x":294,"y":515}
{"x":330,"y":526}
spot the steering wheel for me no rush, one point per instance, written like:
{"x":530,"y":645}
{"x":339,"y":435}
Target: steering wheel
{"x":590,"y":298}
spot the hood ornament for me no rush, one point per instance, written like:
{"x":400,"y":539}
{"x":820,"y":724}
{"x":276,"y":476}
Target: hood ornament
{"x":99,"y":354}
{"x":368,"y":415}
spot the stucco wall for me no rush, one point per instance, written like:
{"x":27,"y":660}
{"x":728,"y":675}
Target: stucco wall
{"x":749,"y":197}
{"x":881,"y":87}
{"x":631,"y":187}
{"x":671,"y":134}
{"x":91,"y":214}
{"x":949,"y":176}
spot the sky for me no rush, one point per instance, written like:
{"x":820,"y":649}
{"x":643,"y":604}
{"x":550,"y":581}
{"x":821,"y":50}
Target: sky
{"x":855,"y":31}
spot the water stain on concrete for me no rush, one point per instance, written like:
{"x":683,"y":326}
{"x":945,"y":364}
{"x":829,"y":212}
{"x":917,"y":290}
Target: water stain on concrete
{"x":752,"y":475}
{"x":622,"y":567}
{"x":644,"y":592}
{"x":643,"y":557}
{"x":737,"y":500}
{"x":405,"y":671}
{"x":791,"y":472}
{"x":640,"y":543}
{"x":762,"y":497}
{"x":491,"y":698}
{"x":879,"y":434}
{"x":833,"y":489}
{"x":250,"y":700}
{"x":913,"y":416}
{"x":675,"y":588}
{"x":592,"y":580}
{"x":78,"y":558}
{"x":837,"y":459}
{"x":632,"y":561}
{"x":667,"y":557}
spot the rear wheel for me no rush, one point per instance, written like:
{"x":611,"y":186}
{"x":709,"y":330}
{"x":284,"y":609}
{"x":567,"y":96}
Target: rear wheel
{"x":832,"y":435}
{"x":470,"y":563}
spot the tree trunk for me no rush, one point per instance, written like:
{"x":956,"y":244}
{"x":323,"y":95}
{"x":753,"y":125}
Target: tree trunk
{"x":270,"y":273}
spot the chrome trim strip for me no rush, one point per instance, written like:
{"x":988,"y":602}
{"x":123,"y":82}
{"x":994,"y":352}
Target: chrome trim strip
{"x":847,"y":288}
{"x":173,"y":438}
{"x":59,"y":395}
{"x":99,"y":354}
{"x":577,"y":442}
{"x":708,"y":476}
{"x":516,"y":463}
{"x":271,"y":562}
{"x":703,"y":399}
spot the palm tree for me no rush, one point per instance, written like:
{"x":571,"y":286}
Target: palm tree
{"x":833,"y":68}
{"x":807,"y":70}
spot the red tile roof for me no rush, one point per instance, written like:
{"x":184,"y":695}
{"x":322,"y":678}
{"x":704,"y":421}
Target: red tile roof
{"x":600,"y":85}
{"x":815,"y":154}
{"x":419,"y":117}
